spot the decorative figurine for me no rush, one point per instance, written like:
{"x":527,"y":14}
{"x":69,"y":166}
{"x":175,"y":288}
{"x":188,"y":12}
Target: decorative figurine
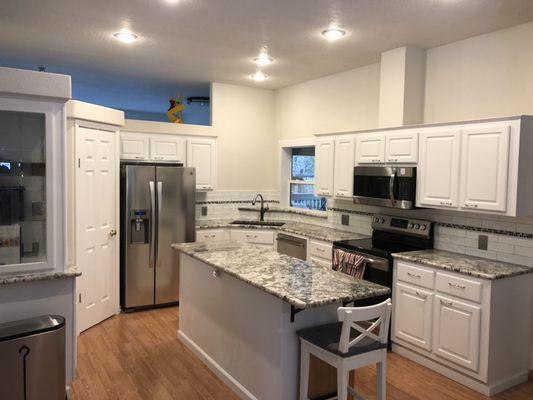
{"x":175,"y":111}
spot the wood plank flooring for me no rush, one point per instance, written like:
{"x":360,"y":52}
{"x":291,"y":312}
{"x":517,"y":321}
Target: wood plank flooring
{"x":138,"y":356}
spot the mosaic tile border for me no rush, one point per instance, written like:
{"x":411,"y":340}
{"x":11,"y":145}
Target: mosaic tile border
{"x":448,"y":225}
{"x":198,"y":203}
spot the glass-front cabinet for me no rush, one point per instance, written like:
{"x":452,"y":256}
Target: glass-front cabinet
{"x":31,"y":191}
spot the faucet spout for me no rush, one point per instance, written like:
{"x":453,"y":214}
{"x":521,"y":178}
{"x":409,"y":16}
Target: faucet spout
{"x":263,"y":209}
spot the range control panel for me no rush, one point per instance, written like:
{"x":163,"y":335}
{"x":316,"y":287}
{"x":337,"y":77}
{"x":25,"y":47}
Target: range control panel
{"x":410,"y":226}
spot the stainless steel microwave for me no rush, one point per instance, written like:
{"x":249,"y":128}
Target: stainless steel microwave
{"x":385,"y":186}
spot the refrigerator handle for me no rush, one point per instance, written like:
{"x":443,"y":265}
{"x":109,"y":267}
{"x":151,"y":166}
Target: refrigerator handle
{"x":159,"y":197}
{"x":151,"y":260}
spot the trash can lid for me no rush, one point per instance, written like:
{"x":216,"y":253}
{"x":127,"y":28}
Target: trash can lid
{"x":31,"y":326}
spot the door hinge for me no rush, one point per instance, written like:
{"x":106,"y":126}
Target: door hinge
{"x":79,"y":297}
{"x":79,"y":163}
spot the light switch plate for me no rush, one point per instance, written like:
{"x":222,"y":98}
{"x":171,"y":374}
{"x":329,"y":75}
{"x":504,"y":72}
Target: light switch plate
{"x":482,"y":242}
{"x":204,"y":211}
{"x":345,"y":219}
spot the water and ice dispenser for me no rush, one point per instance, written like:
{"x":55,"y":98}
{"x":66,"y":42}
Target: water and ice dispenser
{"x":140,"y":227}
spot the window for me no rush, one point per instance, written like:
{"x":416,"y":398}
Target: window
{"x":302,"y":182}
{"x":22,"y":188}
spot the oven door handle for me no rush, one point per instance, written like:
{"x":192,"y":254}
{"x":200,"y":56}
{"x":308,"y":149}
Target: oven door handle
{"x":391,"y":188}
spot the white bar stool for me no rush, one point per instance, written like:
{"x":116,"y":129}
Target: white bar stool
{"x":337,"y":345}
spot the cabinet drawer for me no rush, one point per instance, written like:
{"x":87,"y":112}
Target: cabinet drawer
{"x":416,"y":276}
{"x":253,"y":236}
{"x":320,"y":262}
{"x":320,"y":250}
{"x":458,"y":287}
{"x":209,"y":234}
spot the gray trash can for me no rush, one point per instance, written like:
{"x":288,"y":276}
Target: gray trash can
{"x":32,"y":359}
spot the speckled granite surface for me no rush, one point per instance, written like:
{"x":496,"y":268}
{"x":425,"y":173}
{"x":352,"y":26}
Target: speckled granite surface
{"x":286,"y":210}
{"x":298,"y":228}
{"x":6,"y":279}
{"x":464,"y":264}
{"x":300,"y":283}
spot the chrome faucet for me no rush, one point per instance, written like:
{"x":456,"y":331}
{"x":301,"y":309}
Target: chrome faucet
{"x":263,"y":208}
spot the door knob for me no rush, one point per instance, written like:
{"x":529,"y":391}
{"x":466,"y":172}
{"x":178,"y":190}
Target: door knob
{"x":112,"y":232}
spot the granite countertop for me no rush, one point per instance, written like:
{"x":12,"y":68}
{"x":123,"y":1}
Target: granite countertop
{"x":302,"y":284}
{"x":464,"y":264}
{"x":6,"y":279}
{"x":299,"y":228}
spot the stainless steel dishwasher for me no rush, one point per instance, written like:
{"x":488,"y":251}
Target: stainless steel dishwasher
{"x":292,"y":246}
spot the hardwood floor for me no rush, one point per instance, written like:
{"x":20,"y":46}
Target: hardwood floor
{"x":137,"y":356}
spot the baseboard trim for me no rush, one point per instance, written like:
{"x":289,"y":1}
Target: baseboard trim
{"x":217,"y":369}
{"x":478,"y":386}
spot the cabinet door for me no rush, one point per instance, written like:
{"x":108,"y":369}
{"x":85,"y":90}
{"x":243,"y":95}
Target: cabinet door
{"x":370,"y":149}
{"x":344,"y":163}
{"x":133,"y":147}
{"x":457,"y":331}
{"x":207,"y":235}
{"x":413,"y":315}
{"x":166,"y":148}
{"x":324,"y":166}
{"x":438,"y":169}
{"x":402,"y":147}
{"x":485,"y":165}
{"x":201,"y":155}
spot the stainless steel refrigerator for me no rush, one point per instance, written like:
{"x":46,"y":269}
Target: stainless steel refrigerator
{"x":157,"y":209}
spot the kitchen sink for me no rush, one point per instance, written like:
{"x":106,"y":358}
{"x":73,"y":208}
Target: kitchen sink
{"x":259,"y":223}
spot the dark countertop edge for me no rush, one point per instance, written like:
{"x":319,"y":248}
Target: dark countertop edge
{"x":281,"y":210}
{"x":294,"y":302}
{"x":460,"y":270}
{"x":9,"y":279}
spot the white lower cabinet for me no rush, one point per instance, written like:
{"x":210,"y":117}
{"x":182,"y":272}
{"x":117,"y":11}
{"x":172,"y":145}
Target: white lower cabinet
{"x":457,"y":331}
{"x":472,"y":330}
{"x":414,"y":315}
{"x":206,"y":235}
{"x":256,"y":236}
{"x":319,"y":250}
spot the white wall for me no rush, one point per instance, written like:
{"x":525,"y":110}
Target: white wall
{"x":341,"y":102}
{"x":484,"y":76}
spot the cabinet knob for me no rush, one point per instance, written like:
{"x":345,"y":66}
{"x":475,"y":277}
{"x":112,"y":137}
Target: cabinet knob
{"x":113,"y":232}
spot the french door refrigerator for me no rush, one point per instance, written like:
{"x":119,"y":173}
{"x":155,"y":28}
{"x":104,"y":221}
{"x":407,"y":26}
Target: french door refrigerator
{"x":157,"y":209}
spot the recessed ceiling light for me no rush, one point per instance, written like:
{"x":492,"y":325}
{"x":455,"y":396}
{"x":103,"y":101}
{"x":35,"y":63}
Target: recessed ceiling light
{"x":333,"y":34}
{"x":259,"y":76}
{"x":126,"y":36}
{"x":263,"y":59}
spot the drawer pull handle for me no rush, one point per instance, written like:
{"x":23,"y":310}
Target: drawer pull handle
{"x":446,"y":303}
{"x":414,"y":275}
{"x":424,"y":296}
{"x":456,"y":286}
{"x":322,"y":250}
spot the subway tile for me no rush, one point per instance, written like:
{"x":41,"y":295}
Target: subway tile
{"x":515,"y":259}
{"x":480,"y":253}
{"x":523,"y":251}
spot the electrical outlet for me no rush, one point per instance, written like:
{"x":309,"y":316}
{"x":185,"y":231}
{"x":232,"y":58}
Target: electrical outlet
{"x":204,"y":211}
{"x":345,"y":219}
{"x":482,"y":242}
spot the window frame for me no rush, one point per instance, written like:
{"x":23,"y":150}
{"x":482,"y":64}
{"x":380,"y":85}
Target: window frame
{"x":55,"y":139}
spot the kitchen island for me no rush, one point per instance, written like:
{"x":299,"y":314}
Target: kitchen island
{"x":240,"y":306}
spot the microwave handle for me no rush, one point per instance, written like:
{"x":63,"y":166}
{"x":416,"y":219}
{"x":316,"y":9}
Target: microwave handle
{"x":391,"y":188}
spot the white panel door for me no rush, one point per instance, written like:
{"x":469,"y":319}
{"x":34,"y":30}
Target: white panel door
{"x":413,"y":312}
{"x":133,"y":147}
{"x":166,"y":148}
{"x":438,"y":169}
{"x":96,"y":246}
{"x":324,"y":166}
{"x":201,"y":155}
{"x":344,"y":163}
{"x":401,"y":147}
{"x":457,"y":332}
{"x":485,"y":166}
{"x":370,"y":149}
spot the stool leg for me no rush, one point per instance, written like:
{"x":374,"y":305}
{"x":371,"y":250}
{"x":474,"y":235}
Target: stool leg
{"x":304,"y":371}
{"x":342,"y":382}
{"x":381,"y":377}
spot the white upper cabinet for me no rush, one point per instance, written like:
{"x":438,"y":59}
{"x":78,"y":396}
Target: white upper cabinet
{"x":324,"y":167}
{"x":485,"y":168}
{"x":344,"y":163}
{"x":201,"y":155}
{"x":166,"y":148}
{"x":438,"y":169}
{"x":370,"y":149}
{"x":134,"y":147}
{"x":401,"y":147}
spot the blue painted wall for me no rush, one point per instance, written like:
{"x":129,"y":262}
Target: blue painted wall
{"x":138,"y":98}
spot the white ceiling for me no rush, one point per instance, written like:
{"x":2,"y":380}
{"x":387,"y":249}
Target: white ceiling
{"x":194,"y":41}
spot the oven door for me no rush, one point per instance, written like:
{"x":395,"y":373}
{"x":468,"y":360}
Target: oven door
{"x":385,"y":186}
